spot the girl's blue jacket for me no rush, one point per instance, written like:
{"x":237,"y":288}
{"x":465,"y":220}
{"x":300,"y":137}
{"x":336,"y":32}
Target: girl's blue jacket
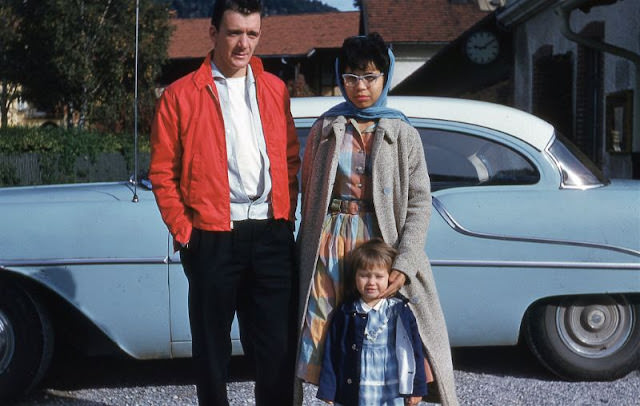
{"x":340,"y":374}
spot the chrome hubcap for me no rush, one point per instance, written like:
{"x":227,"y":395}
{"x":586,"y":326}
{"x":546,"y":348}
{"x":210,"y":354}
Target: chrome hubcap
{"x":7,"y":342}
{"x":595,"y":319}
{"x":595,"y":328}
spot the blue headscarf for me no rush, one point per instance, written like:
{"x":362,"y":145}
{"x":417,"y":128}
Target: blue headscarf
{"x":378,"y":110}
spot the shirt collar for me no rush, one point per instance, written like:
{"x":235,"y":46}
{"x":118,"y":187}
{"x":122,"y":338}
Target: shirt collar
{"x":356,"y":126}
{"x":368,"y":308}
{"x":219,"y":75}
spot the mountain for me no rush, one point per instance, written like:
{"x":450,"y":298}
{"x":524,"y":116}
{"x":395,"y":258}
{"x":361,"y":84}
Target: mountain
{"x":202,"y":8}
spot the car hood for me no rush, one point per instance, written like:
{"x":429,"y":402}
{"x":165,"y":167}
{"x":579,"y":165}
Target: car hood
{"x":80,"y":221}
{"x":88,"y":192}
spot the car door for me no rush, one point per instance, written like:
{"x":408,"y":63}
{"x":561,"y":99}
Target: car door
{"x":503,"y":233}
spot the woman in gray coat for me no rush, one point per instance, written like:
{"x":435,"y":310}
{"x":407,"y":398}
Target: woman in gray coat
{"x":364,"y":175}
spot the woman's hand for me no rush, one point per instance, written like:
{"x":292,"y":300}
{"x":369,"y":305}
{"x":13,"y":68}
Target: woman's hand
{"x":396,"y":281}
{"x":412,"y":400}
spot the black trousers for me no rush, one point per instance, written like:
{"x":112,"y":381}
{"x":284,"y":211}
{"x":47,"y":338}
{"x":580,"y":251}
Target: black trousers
{"x":249,"y":270}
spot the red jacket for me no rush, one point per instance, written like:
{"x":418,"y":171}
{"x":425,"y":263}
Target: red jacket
{"x":189,"y":159}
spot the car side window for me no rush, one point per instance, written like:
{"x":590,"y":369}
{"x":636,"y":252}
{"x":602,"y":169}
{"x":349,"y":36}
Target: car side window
{"x":456,"y":159}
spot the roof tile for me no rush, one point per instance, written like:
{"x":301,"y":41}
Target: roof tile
{"x":420,"y":20}
{"x":282,"y":34}
{"x":299,"y":34}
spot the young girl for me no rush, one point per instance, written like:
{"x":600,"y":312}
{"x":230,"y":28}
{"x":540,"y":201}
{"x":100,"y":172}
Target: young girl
{"x":373,"y":351}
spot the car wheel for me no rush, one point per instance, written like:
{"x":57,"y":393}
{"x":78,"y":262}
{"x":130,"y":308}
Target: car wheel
{"x":26,"y":341}
{"x":586,"y":337}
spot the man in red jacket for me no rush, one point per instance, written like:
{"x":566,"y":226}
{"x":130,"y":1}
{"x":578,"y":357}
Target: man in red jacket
{"x":224,"y":162}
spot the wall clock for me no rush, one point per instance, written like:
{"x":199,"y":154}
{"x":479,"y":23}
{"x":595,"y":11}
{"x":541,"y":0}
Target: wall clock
{"x":482,"y":47}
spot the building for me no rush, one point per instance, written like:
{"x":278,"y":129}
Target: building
{"x":575,"y":63}
{"x":23,"y":113}
{"x":418,"y":29}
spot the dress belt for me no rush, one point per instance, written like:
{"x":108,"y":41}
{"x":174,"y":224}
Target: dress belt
{"x":350,"y":206}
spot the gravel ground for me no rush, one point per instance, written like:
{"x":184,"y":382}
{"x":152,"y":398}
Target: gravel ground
{"x":502,"y":376}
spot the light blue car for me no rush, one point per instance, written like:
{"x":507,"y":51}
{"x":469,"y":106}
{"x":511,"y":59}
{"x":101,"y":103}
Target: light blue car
{"x":527,"y":240}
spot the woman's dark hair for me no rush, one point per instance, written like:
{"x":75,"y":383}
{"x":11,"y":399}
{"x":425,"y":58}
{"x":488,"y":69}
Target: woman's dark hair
{"x":369,"y":254}
{"x":357,"y":52}
{"x":245,"y":7}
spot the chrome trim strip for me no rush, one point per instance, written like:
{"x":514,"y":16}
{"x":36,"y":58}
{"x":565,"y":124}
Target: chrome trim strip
{"x":534,"y":264}
{"x":457,"y":227}
{"x":83,"y":261}
{"x":443,"y":262}
{"x":558,"y":166}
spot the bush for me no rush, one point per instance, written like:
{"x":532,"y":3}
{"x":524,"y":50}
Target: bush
{"x":58,"y":149}
{"x":67,"y":142}
{"x":8,"y":175}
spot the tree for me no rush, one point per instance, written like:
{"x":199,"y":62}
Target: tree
{"x":81,"y":56}
{"x":155,"y":33}
{"x":11,"y":55}
{"x":272,"y":7}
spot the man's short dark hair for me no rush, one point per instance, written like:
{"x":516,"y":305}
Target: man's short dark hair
{"x":245,"y":7}
{"x":357,"y":52}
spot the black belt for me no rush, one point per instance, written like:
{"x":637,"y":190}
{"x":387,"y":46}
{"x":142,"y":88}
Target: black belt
{"x":350,"y":206}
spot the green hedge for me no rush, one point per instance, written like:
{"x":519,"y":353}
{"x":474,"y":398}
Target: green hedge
{"x":67,"y":142}
{"x":58,"y":150}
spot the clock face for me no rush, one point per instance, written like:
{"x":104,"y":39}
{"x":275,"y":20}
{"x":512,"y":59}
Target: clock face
{"x":482,"y":47}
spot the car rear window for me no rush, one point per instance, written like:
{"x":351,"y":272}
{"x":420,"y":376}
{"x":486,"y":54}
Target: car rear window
{"x":456,"y":159}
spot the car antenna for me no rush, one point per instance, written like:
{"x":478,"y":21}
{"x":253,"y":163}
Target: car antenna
{"x":135,"y":113}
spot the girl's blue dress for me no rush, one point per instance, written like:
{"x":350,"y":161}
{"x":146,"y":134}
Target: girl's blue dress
{"x":379,"y":366}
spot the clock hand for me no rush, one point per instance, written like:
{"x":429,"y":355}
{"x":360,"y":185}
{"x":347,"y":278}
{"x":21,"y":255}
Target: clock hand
{"x":487,"y":44}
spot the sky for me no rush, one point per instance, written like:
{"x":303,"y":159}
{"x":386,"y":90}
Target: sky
{"x":342,"y":5}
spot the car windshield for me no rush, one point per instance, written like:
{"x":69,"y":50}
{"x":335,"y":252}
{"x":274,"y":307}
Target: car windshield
{"x":577,"y":170}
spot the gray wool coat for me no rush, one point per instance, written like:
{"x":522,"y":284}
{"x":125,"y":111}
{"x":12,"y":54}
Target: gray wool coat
{"x":402,"y":204}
